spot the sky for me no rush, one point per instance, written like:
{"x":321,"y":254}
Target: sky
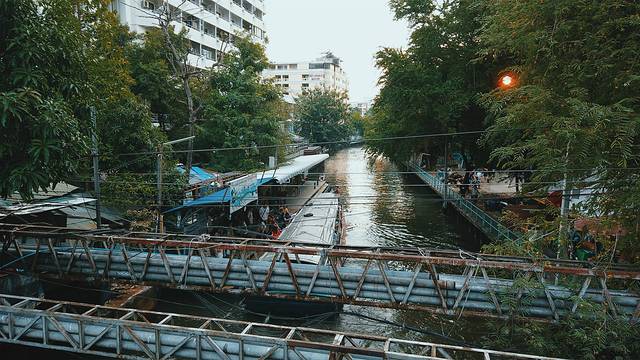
{"x":354,"y":30}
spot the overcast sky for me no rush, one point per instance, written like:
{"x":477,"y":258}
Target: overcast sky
{"x":300,"y":30}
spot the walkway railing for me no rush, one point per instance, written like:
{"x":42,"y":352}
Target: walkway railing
{"x":478,"y":217}
{"x":450,"y":283}
{"x":134,"y":334}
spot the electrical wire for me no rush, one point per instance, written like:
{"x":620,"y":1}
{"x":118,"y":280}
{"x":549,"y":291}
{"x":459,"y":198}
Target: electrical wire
{"x":275,"y":146}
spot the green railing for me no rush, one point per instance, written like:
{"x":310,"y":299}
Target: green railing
{"x":490,"y":226}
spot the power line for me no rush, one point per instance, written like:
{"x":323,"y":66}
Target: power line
{"x":275,"y":146}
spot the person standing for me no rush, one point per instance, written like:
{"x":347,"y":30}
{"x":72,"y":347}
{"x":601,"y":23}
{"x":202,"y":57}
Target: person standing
{"x":264,"y":213}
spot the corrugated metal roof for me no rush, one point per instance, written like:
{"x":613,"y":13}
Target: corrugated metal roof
{"x":43,"y":206}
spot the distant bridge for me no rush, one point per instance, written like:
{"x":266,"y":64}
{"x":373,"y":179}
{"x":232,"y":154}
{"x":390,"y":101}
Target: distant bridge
{"x":444,"y":282}
{"x":469,"y":210}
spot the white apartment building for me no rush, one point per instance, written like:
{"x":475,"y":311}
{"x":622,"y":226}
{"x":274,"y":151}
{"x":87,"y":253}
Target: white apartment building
{"x":211,"y":24}
{"x":295,"y":78}
{"x":362,"y":107}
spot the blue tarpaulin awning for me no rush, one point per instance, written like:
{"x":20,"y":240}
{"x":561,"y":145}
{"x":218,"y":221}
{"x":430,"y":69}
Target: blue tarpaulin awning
{"x":197,"y":174}
{"x":219,"y":197}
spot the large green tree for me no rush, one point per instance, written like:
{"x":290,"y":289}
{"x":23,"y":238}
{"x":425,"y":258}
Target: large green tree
{"x":44,"y":86}
{"x":430,"y":87}
{"x":323,"y":116}
{"x":59,"y":59}
{"x":574,"y":115}
{"x":240,"y":111}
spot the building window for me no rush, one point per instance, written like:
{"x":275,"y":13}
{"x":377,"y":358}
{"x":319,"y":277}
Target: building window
{"x":305,"y":86}
{"x":315,"y":66}
{"x":293,"y":66}
{"x":195,"y":48}
{"x":305,"y":77}
{"x":149,"y":5}
{"x":282,"y":67}
{"x":236,"y":20}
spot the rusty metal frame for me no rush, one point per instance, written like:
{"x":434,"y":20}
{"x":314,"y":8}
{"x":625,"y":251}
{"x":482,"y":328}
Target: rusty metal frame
{"x":454,"y":288}
{"x":134,"y":334}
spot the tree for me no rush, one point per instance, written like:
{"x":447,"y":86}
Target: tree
{"x":155,"y":83}
{"x":124,"y":120}
{"x":323,"y":116}
{"x":431,"y":87}
{"x":43,"y":87}
{"x":574,"y":116}
{"x":241,"y":111}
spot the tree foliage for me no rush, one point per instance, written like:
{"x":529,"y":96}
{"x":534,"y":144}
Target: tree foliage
{"x":239,"y":110}
{"x":155,"y":82}
{"x":575,"y":111}
{"x":59,"y":59}
{"x":430,"y":87}
{"x":44,"y":84}
{"x":323,"y":116}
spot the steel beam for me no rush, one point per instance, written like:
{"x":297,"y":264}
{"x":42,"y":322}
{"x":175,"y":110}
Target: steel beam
{"x":134,"y":334}
{"x":398,"y":281}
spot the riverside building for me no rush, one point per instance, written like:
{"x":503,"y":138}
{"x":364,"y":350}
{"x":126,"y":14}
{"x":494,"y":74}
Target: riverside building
{"x":211,"y":25}
{"x":296,"y":78}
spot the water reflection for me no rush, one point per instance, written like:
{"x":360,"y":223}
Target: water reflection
{"x":385,"y":207}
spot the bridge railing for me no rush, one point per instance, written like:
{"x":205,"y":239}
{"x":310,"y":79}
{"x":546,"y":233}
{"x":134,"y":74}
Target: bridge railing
{"x":134,"y":334}
{"x":441,"y":282}
{"x":490,"y":226}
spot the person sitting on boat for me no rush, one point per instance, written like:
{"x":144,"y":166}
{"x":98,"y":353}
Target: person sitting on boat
{"x":287,"y":216}
{"x":280,"y":218}
{"x":272,"y":227}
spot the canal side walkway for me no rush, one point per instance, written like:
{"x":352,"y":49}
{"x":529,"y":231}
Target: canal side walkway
{"x":469,"y":210}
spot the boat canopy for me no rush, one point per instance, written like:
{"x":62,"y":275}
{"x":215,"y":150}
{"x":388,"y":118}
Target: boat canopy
{"x":315,"y":223}
{"x":297,"y":166}
{"x":219,"y":197}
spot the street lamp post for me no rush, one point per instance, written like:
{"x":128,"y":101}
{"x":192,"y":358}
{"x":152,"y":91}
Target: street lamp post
{"x":159,"y":222}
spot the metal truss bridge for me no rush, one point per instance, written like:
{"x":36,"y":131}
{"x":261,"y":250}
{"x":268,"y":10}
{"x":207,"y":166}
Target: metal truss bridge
{"x":444,"y":282}
{"x":133,"y":334}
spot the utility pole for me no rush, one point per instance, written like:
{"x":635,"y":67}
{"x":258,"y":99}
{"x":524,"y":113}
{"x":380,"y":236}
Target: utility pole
{"x":446,"y":176}
{"x":96,"y":169}
{"x":276,"y":157}
{"x":159,"y":222}
{"x":565,"y":205}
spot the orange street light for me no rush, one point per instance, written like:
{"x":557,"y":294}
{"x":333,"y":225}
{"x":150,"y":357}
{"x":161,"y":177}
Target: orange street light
{"x":508,"y":81}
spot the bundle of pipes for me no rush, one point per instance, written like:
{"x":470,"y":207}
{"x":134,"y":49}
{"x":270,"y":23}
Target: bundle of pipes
{"x":469,"y":293}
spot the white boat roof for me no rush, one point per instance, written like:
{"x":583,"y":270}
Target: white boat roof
{"x":297,"y":166}
{"x":315,"y":222}
{"x":317,"y":227}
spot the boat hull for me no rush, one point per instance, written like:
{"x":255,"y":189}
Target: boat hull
{"x":293,"y":308}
